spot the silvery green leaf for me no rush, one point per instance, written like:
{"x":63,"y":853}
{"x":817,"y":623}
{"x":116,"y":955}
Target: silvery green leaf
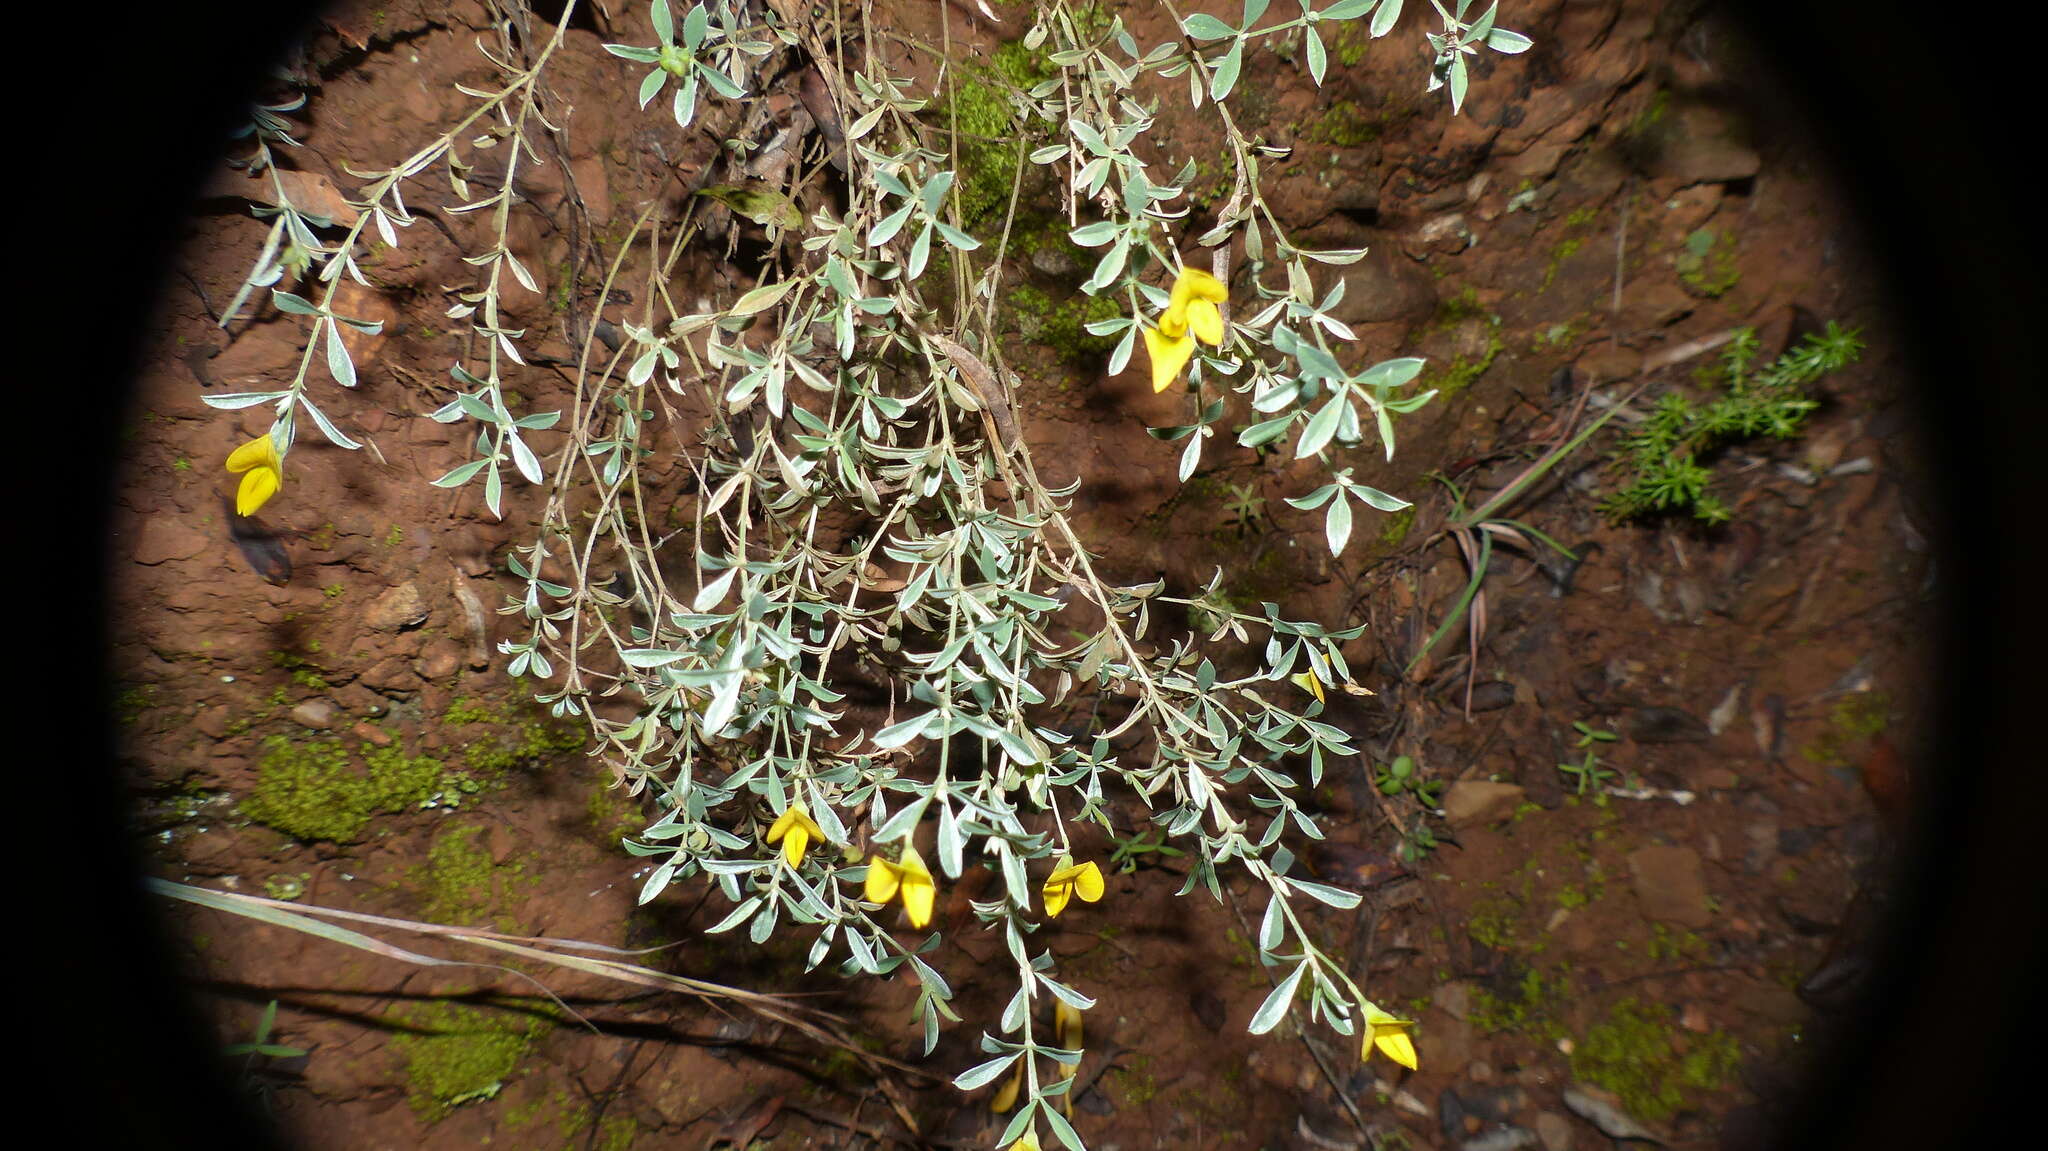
{"x":961,"y":241}
{"x":983,"y":1074}
{"x":920,"y":251}
{"x":523,"y":457}
{"x":234,"y":401}
{"x":656,"y":880}
{"x":720,"y":82}
{"x":1253,"y":9}
{"x":1277,"y":397}
{"x":1225,"y":77}
{"x":1109,"y":267}
{"x":1386,"y":426}
{"x":904,"y":823}
{"x":1335,"y":255}
{"x":1392,"y":373}
{"x":461,"y":475}
{"x":888,"y":226}
{"x":1095,"y":235}
{"x":1203,"y":26}
{"x":1272,"y":928}
{"x":1318,"y":59}
{"x":650,"y":85}
{"x":1190,"y":456}
{"x":297,"y":305}
{"x":1314,"y":499}
{"x":898,"y":734}
{"x":663,"y":26}
{"x":1061,"y":1127}
{"x":494,"y":491}
{"x":339,"y":365}
{"x":734,"y":918}
{"x":1459,"y":80}
{"x":1347,"y":9}
{"x":643,"y":368}
{"x":1378,"y":498}
{"x":1270,"y":1012}
{"x":327,"y":428}
{"x":1021,"y":1122}
{"x":639,"y":55}
{"x":1265,"y":431}
{"x":724,"y":702}
{"x":1483,"y":25}
{"x":1508,"y":43}
{"x":1013,"y":1015}
{"x":934,"y":192}
{"x":539,"y":421}
{"x":685,"y":106}
{"x":520,"y":274}
{"x":764,"y":924}
{"x":1336,"y":897}
{"x":1121,"y":357}
{"x":950,"y":845}
{"x":1066,"y":995}
{"x":1321,"y":427}
{"x":1337,"y":526}
{"x":637,"y":656}
{"x":863,"y":957}
{"x":866,"y":123}
{"x":1383,"y":20}
{"x":1048,"y":154}
{"x":762,"y":298}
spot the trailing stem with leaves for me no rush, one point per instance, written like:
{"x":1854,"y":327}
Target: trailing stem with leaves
{"x":862,"y":519}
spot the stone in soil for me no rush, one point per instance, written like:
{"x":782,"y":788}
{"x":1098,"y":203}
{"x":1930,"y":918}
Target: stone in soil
{"x":1471,"y":801}
{"x":1670,"y":885}
{"x":396,"y":610}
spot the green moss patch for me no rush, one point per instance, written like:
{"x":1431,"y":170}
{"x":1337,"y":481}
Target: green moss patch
{"x":456,"y":1054}
{"x":315,"y":790}
{"x":1640,"y":1054}
{"x":499,"y":736}
{"x":461,"y":885}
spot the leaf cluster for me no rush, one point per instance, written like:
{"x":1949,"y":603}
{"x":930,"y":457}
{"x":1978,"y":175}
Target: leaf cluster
{"x":1663,"y":461}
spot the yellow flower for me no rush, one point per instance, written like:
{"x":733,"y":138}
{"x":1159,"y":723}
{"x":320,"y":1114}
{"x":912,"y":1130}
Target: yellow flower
{"x":1006,"y":1095}
{"x":1308,"y":682}
{"x":1068,"y":881}
{"x":795,"y":830}
{"x":1066,"y":1030}
{"x":1191,"y":314}
{"x":264,"y":473}
{"x":910,"y":877}
{"x":1390,"y":1035}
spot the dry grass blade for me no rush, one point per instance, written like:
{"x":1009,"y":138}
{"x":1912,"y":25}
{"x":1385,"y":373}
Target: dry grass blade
{"x":811,"y":1021}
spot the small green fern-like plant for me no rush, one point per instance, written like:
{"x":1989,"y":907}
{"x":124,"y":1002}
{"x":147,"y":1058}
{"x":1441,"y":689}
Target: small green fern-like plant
{"x":1661,"y":459}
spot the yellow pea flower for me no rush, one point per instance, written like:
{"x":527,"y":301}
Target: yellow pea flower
{"x":1390,"y":1035}
{"x":1066,"y":1030}
{"x":1006,"y":1095}
{"x":1067,"y":881}
{"x":911,"y":878}
{"x":1191,"y":314}
{"x":1307,"y":681}
{"x":262,"y":473}
{"x":795,"y":830}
